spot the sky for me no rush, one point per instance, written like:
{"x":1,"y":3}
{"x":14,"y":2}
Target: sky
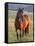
{"x":17,"y":6}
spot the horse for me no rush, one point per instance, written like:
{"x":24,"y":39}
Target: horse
{"x":21,"y":22}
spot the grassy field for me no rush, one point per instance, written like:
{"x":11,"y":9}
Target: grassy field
{"x":11,"y":28}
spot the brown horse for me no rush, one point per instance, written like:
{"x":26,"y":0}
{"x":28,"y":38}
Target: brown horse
{"x":21,"y":22}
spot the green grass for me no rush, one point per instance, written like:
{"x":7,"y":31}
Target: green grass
{"x":11,"y":28}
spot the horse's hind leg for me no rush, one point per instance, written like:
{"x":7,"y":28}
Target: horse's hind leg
{"x":27,"y":30}
{"x":20,"y":34}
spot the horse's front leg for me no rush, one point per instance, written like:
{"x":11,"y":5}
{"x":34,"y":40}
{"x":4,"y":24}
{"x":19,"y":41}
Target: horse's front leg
{"x":20,"y":34}
{"x":17,"y":34}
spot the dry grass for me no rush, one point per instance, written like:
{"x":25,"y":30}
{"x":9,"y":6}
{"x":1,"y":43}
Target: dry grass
{"x":11,"y":30}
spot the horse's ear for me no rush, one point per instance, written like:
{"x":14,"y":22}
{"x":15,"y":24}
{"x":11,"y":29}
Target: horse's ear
{"x":19,"y":9}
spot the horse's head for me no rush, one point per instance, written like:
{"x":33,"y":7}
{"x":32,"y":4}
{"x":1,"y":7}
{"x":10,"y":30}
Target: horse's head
{"x":20,"y":13}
